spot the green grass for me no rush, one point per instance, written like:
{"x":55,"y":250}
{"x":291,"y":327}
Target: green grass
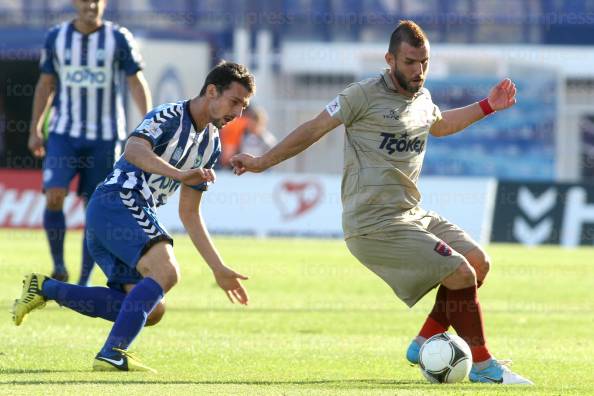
{"x":318,"y":323}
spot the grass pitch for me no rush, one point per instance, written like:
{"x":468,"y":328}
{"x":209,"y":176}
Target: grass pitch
{"x":318,"y":323}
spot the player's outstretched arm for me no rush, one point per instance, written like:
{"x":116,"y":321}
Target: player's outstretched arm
{"x":140,"y":91}
{"x":501,"y":97}
{"x":139,"y":152}
{"x":227,"y":279}
{"x":297,"y":141}
{"x":44,"y":92}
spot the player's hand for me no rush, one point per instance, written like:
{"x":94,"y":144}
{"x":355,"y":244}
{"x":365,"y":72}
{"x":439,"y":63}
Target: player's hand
{"x":503,"y":95}
{"x":229,"y":281}
{"x":196,"y":176}
{"x":242,"y":163}
{"x":35,"y":144}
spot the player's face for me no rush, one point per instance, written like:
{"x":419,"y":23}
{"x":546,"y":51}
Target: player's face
{"x":90,"y":11}
{"x":409,"y":66}
{"x":227,"y":105}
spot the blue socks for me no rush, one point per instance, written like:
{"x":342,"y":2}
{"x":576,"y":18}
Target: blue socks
{"x":87,"y":263}
{"x":55,"y":229}
{"x":136,"y":307}
{"x":96,"y":302}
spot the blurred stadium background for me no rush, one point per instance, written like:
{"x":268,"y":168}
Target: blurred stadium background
{"x":520,"y":176}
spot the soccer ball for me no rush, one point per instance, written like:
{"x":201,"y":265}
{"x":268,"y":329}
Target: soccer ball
{"x":445,"y":358}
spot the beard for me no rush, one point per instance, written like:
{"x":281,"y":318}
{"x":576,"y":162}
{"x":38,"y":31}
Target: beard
{"x":217,"y":123}
{"x":405,"y":84}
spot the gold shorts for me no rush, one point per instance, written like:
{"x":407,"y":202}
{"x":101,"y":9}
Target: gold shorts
{"x":413,"y":255}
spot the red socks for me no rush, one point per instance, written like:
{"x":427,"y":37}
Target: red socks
{"x":437,"y":321}
{"x":462,"y":310}
{"x":465,"y":315}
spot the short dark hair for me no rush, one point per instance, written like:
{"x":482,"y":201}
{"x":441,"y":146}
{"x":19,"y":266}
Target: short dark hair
{"x":407,"y":32}
{"x":224,"y":73}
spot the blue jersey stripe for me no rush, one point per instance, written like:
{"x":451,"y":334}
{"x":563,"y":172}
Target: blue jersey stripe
{"x":181,"y":144}
{"x":216,"y":152}
{"x":84,"y":61}
{"x":100,"y":91}
{"x":68,"y":62}
{"x":112,"y":104}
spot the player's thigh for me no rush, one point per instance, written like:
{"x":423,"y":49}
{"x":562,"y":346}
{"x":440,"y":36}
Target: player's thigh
{"x":125,"y":226}
{"x":411,"y":261}
{"x":59,"y":168}
{"x":460,"y":241}
{"x":95,"y":164}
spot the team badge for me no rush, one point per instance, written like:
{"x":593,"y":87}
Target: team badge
{"x":443,"y":249}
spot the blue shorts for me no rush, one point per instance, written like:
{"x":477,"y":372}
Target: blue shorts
{"x":66,"y":157}
{"x":121,"y":227}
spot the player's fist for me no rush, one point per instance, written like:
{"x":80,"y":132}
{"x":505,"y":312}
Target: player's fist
{"x":35,"y":144}
{"x":197,"y":176}
{"x":503,"y":95}
{"x":242,"y":163}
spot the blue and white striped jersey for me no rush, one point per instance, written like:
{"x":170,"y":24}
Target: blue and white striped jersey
{"x":170,"y":130}
{"x":90,"y":71}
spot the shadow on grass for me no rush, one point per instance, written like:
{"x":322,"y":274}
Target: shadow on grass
{"x":350,"y":383}
{"x":34,"y":371}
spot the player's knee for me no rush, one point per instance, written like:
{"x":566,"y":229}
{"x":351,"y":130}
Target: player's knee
{"x":480,"y":261}
{"x":466,"y":274}
{"x":54,"y":198}
{"x":485,"y":265}
{"x":156,"y":314}
{"x":463,"y":277}
{"x":167,"y":276}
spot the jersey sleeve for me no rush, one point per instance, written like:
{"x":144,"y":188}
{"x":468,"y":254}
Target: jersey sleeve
{"x":47,"y":60}
{"x":434,"y":109}
{"x":436,"y":114}
{"x":209,"y":164}
{"x":128,"y":54}
{"x":349,"y":105}
{"x":158,"y":127}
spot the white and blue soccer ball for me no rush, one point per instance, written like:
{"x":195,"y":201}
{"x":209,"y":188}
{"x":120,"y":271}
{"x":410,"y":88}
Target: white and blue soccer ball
{"x":445,"y":358}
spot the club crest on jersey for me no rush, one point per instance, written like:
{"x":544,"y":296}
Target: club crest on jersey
{"x":197,"y":161}
{"x":443,"y":249}
{"x":391,"y":143}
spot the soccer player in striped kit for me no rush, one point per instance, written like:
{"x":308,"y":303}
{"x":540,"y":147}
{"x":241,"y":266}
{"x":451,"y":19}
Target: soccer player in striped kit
{"x":85,"y":64}
{"x":176,"y":145}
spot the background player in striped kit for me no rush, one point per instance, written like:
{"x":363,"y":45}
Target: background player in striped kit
{"x":176,"y":145}
{"x":84,"y":65}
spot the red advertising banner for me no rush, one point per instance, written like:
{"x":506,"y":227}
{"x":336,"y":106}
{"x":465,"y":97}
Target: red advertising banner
{"x":22,"y":203}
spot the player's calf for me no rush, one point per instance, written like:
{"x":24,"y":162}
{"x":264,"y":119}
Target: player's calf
{"x":156,"y":314}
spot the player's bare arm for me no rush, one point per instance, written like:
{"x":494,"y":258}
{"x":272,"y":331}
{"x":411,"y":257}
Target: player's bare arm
{"x":189,"y":213}
{"x":140,"y":91}
{"x":501,"y":97}
{"x":44,"y":92}
{"x":297,"y":141}
{"x":139,"y":152}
